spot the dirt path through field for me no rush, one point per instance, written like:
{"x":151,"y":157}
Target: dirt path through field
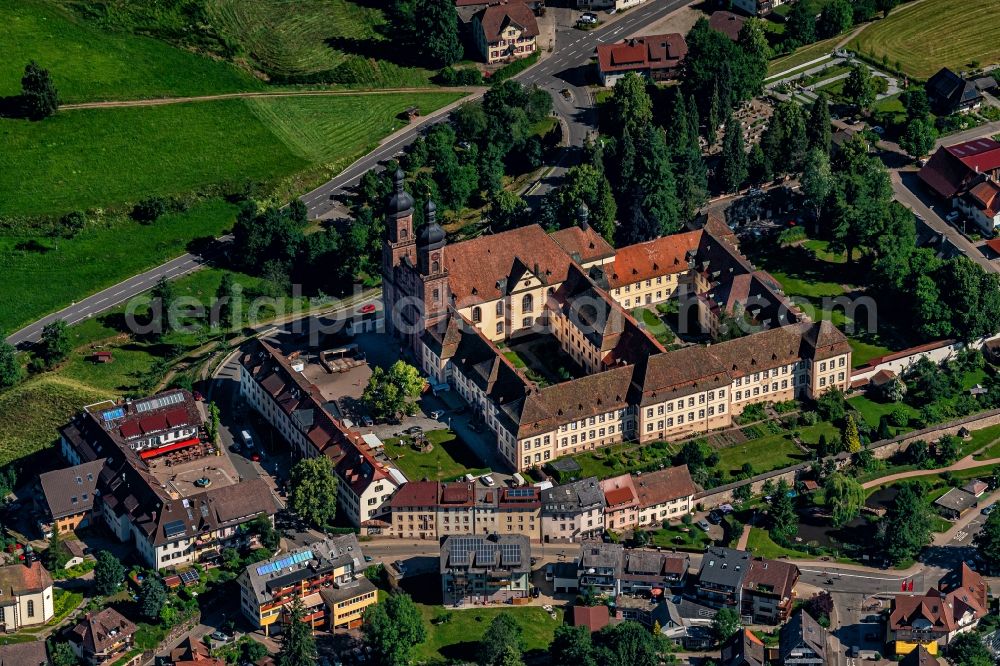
{"x":162,"y":101}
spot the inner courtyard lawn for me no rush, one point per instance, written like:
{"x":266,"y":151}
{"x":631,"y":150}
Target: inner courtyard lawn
{"x":449,"y":459}
{"x":933,"y":34}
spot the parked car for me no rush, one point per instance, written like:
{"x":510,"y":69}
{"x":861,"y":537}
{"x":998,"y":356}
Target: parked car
{"x":715,"y":517}
{"x":703,"y":524}
{"x":219,"y":636}
{"x":368,"y":558}
{"x":878,"y":129}
{"x":488,"y":480}
{"x":589,"y":18}
{"x":414,"y":430}
{"x":198,"y":396}
{"x":437,"y":413}
{"x":952,"y":216}
{"x":367,"y":421}
{"x":987,"y":510}
{"x":872,"y":619}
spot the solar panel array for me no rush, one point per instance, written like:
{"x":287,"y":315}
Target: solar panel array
{"x":159,"y":402}
{"x":463,"y":549}
{"x":285,"y":562}
{"x":173,"y":528}
{"x":189,"y":577}
{"x":114,"y":414}
{"x":521,"y":492}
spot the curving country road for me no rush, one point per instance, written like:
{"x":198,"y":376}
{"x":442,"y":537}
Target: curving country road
{"x":563,"y":69}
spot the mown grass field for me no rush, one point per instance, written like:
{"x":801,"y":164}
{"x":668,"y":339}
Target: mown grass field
{"x":31,"y":413}
{"x":933,"y":34}
{"x":299,"y":39}
{"x":99,"y":157}
{"x":90,"y":64}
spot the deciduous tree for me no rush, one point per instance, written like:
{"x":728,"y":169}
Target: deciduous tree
{"x":835,"y":18}
{"x":987,"y":542}
{"x":503,"y":635}
{"x":392,"y":628}
{"x":391,"y":392}
{"x":38,"y":92}
{"x":313,"y":491}
{"x":843,"y":498}
{"x":801,"y":23}
{"x":109,"y":574}
{"x":784,"y":522}
{"x":919,"y":137}
{"x":733,"y":168}
{"x":152,"y":597}
{"x":54,"y":345}
{"x":10,"y":369}
{"x":906,"y":527}
{"x":572,"y":646}
{"x":725,"y":623}
{"x":859,"y":87}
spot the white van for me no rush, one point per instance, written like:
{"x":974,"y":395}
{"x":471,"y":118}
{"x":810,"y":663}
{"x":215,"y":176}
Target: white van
{"x":469,"y":478}
{"x":247,"y":441}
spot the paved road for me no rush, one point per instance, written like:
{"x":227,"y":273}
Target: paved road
{"x":909,"y":192}
{"x":119,"y":293}
{"x":564,"y":68}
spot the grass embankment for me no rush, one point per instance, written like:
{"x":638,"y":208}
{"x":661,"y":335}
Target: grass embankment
{"x":32,"y":412}
{"x":318,"y":39}
{"x":930,"y":35}
{"x":802,"y":56}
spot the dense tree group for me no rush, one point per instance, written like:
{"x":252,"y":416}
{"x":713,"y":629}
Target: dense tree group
{"x":390,"y":393}
{"x":38,"y":93}
{"x":906,"y":527}
{"x":625,"y":644}
{"x":428,"y":28}
{"x":313,"y":491}
{"x":391,"y":629}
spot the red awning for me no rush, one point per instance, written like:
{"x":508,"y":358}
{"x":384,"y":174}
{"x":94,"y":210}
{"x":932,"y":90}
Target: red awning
{"x":152,"y":453}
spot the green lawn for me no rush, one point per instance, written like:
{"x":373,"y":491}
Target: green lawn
{"x":760,"y":544}
{"x":31,"y":413}
{"x":102,"y":157}
{"x":684,"y":537}
{"x":98,"y":258}
{"x":89,"y":64}
{"x":764,"y":453}
{"x":930,"y":35}
{"x":310,"y":39}
{"x":874,"y":411}
{"x":458,"y":638}
{"x":449,"y":459}
{"x":801,"y":56}
{"x":655,"y":325}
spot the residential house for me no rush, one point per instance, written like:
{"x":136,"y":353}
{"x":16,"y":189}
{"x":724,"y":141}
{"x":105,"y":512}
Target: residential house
{"x":25,"y":596}
{"x":933,"y":619}
{"x":757,"y":7}
{"x":953,"y":170}
{"x":981,"y":204}
{"x":77,"y":552}
{"x":505,"y":31}
{"x":768,"y":591}
{"x":743,"y":649}
{"x":432,"y":509}
{"x":728,"y":23}
{"x":326,"y":576}
{"x":648,"y":570}
{"x":720,"y":579}
{"x":102,"y":638}
{"x":803,"y":642}
{"x":657,"y":57}
{"x":955,"y":503}
{"x":594,"y":618}
{"x":621,"y":503}
{"x":69,"y":497}
{"x":600,"y":567}
{"x":666,"y":494}
{"x":976,"y":487}
{"x":479,"y":569}
{"x":192,"y":652}
{"x":572,"y":511}
{"x":950,"y":93}
{"x":30,"y":653}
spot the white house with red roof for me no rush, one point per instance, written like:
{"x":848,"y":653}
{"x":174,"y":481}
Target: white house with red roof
{"x":505,"y":31}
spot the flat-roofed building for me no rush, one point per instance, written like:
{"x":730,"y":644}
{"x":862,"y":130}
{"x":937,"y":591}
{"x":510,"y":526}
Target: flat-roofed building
{"x":483,"y":569}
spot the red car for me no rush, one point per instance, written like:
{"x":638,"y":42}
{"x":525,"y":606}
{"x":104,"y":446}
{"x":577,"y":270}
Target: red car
{"x":198,"y":396}
{"x":367,"y":309}
{"x":255,"y":457}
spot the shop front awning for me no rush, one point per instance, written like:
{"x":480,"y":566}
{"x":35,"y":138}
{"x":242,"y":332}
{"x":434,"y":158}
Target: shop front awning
{"x":153,"y":453}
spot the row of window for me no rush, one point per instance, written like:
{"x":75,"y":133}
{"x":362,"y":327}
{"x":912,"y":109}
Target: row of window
{"x":585,"y":436}
{"x":823,"y":380}
{"x":598,"y":419}
{"x":669,"y":422}
{"x":833,"y":364}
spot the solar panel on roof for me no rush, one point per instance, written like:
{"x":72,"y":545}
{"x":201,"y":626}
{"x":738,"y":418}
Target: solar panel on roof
{"x":521,"y":492}
{"x":158,"y":402}
{"x":189,"y":577}
{"x":173,"y":528}
{"x":113,"y":414}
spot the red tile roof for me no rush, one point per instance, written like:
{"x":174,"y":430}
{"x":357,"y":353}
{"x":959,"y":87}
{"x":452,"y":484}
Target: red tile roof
{"x":586,"y":244}
{"x":664,"y":485}
{"x":660,"y":256}
{"x":619,"y":491}
{"x":727,"y":23}
{"x":951,"y":168}
{"x":496,"y":17}
{"x":594,"y":618}
{"x":642,"y":53}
